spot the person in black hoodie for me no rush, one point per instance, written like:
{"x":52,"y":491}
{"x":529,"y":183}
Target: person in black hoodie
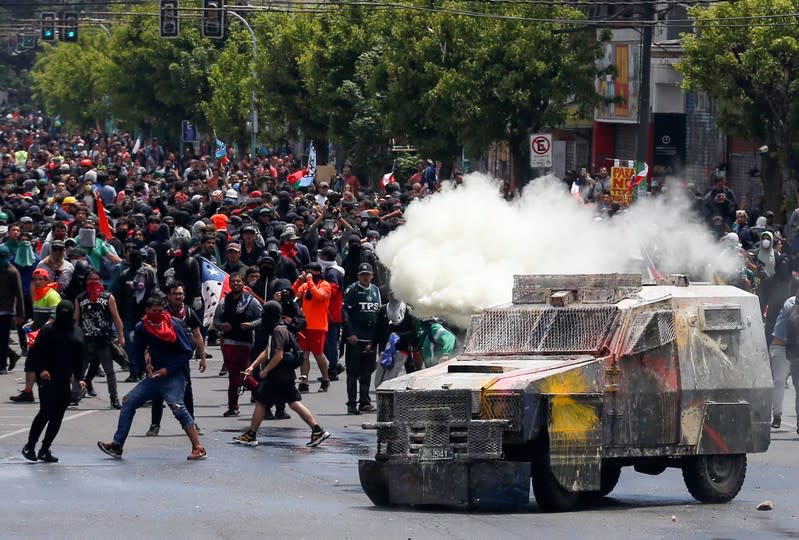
{"x":162,"y":247}
{"x":775,"y":290}
{"x":56,"y":356}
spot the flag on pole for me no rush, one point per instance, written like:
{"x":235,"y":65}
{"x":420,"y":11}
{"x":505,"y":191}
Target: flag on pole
{"x":305,"y":177}
{"x":102,"y":217}
{"x":136,"y":145}
{"x":642,"y":171}
{"x":221,"y":153}
{"x":215,"y":286}
{"x":388,"y":178}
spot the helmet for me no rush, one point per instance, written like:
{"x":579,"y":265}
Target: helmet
{"x":395,"y":310}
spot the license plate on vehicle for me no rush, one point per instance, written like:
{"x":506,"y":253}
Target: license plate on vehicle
{"x":435,"y":453}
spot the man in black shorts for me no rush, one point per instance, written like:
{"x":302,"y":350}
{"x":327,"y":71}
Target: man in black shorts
{"x":277,"y":379}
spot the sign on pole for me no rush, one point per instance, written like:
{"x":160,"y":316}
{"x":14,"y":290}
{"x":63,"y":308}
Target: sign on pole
{"x":189,"y":132}
{"x":541,"y":150}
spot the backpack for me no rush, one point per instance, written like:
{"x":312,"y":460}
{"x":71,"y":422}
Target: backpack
{"x":292,"y":354}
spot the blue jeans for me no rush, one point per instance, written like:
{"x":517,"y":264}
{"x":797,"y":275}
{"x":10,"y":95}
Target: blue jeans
{"x":170,"y":389}
{"x":134,"y":368}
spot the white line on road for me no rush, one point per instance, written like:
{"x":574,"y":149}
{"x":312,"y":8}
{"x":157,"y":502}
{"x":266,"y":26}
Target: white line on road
{"x":74,"y":416}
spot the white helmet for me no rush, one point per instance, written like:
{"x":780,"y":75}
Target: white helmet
{"x":395,"y":310}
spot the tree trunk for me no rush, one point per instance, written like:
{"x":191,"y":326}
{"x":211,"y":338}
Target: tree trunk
{"x":520,"y":163}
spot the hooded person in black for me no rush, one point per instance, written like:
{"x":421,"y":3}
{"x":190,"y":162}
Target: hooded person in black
{"x":775,"y":290}
{"x":162,"y":246}
{"x":187,"y":271}
{"x":56,"y":356}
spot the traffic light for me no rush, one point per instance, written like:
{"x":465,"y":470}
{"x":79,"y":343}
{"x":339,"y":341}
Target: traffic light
{"x":29,"y":41}
{"x":70,"y":26}
{"x":169,"y":21}
{"x":213,"y":19}
{"x":48,"y":26}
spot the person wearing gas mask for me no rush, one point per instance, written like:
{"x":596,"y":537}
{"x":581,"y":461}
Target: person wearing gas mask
{"x":56,"y":357}
{"x":136,"y":283}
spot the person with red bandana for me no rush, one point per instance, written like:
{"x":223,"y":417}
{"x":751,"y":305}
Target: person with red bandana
{"x":45,"y":299}
{"x":167,"y":367}
{"x":96,"y":313}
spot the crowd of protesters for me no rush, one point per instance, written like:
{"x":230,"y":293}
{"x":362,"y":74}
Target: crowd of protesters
{"x":107,"y":223}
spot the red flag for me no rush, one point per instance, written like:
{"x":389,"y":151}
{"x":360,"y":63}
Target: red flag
{"x":295,"y":177}
{"x":102,"y":218}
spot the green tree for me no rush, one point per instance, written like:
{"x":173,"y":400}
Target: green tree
{"x":452,"y":79}
{"x":67,"y":80}
{"x":231,"y":83}
{"x":752,"y":68}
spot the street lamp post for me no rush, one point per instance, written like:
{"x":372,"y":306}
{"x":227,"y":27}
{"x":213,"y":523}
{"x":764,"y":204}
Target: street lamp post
{"x":253,"y":109}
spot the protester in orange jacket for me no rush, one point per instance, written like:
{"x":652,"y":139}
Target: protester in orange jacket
{"x":314,"y":294}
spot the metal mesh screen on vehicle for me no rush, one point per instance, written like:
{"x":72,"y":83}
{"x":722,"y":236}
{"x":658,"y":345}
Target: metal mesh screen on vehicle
{"x":529,"y":329}
{"x":433,"y":405}
{"x":650,"y":330}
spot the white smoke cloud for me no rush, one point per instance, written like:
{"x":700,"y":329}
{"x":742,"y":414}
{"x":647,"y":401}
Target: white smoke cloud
{"x":459,"y":249}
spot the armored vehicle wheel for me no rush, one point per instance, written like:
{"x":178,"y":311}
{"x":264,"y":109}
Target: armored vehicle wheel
{"x":549,"y":494}
{"x":714,"y":478}
{"x":609,"y":479}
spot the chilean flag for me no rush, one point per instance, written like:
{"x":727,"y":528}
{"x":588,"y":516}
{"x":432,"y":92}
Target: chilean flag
{"x":388,"y":178}
{"x":215,"y":286}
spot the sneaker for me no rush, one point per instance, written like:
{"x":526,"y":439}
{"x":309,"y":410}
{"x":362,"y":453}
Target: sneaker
{"x":153,"y":431}
{"x":333,"y":377}
{"x":317,"y":438}
{"x":230,"y":412}
{"x":115,"y":403}
{"x":303,"y":387}
{"x":776,"y":422}
{"x":367,"y":407}
{"x":197,"y":454}
{"x":29,"y":452}
{"x":208,"y":355}
{"x":13,"y":358}
{"x":90,"y":391}
{"x":340,"y":369}
{"x":223,"y":372}
{"x":246,"y":439}
{"x":110,"y":448}
{"x":352,"y":409}
{"x":132,"y":378}
{"x":46,"y":456}
{"x":268,"y":415}
{"x":199,"y":429}
{"x":282,"y":415}
{"x":100,"y":372}
{"x":23,"y":397}
{"x":324,"y":386}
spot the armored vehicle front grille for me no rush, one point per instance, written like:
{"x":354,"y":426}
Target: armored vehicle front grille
{"x":528,"y":329}
{"x":421,"y":425}
{"x":503,"y":405}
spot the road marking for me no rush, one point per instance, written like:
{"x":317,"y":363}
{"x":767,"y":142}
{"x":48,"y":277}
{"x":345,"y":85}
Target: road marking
{"x":24,"y":430}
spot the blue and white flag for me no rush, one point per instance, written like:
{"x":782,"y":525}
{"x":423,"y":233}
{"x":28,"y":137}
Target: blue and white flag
{"x":310,"y":174}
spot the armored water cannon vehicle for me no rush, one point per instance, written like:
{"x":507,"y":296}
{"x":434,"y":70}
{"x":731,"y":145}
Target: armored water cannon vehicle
{"x":580,"y":376}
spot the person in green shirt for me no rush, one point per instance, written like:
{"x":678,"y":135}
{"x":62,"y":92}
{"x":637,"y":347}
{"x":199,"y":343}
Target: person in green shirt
{"x":45,"y":300}
{"x":437,"y":342}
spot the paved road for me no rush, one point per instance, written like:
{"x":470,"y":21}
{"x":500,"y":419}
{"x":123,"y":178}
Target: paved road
{"x":282,"y":489}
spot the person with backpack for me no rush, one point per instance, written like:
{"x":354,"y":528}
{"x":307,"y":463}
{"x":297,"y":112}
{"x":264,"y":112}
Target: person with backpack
{"x":277,"y":364}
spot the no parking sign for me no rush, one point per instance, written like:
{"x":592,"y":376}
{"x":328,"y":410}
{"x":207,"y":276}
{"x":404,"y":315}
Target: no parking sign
{"x":541,"y":150}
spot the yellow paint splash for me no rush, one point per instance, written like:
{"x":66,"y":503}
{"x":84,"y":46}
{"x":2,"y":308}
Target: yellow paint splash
{"x":569,"y":418}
